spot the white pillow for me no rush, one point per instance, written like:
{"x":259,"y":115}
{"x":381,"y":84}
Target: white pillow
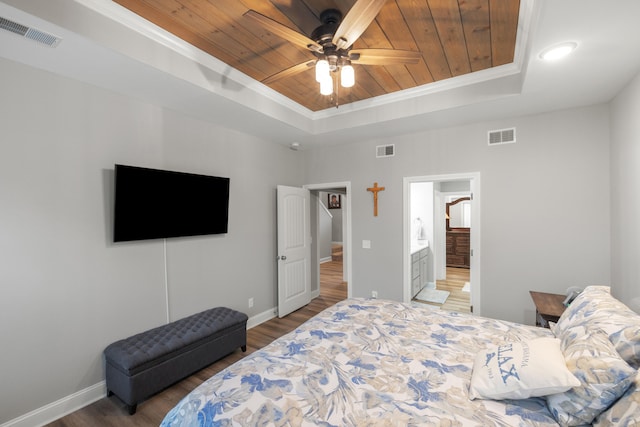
{"x":519,"y":370}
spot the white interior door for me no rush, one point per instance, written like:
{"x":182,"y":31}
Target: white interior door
{"x":294,"y":249}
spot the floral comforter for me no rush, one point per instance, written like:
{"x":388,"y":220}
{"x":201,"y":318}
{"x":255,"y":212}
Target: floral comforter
{"x":364,"y":363}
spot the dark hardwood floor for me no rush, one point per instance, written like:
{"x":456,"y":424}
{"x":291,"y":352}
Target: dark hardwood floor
{"x":112,"y":412}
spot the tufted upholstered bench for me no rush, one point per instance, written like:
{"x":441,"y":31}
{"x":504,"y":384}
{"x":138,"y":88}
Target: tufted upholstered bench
{"x":144,"y":364}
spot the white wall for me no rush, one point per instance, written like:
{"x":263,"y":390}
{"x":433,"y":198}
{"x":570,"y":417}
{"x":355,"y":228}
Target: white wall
{"x":422,"y":199}
{"x":544,"y":213}
{"x":67,"y":290}
{"x":625,"y":195}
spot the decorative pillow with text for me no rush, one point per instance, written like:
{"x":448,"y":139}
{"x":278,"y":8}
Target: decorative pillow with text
{"x":518,"y":370}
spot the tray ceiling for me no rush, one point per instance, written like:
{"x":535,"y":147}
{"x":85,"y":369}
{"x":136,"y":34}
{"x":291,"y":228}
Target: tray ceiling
{"x":455,"y":37}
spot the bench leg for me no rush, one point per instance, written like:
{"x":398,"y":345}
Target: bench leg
{"x":132,"y":409}
{"x":244,"y":348}
{"x":109,"y":393}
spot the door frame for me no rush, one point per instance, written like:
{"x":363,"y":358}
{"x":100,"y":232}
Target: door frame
{"x":346,"y":235}
{"x":475,"y":273}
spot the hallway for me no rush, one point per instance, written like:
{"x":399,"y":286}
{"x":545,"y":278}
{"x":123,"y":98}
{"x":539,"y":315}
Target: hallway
{"x":332,"y":288}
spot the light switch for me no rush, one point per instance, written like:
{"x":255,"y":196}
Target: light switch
{"x":366,"y":244}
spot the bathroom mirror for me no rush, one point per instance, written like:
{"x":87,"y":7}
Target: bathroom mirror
{"x":459,"y":213}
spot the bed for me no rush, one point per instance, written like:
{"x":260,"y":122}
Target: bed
{"x":369,"y":362}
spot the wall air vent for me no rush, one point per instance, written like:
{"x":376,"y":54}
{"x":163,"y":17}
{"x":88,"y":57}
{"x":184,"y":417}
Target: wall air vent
{"x":386,"y":150}
{"x":29,"y":33}
{"x":502,"y":136}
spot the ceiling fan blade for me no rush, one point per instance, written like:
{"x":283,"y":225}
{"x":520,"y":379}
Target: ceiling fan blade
{"x":384,"y":56}
{"x":356,"y":22}
{"x":304,"y":66}
{"x":283,"y":31}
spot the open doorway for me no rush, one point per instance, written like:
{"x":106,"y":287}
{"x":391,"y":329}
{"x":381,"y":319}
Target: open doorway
{"x":435,"y":271}
{"x":331,"y":237}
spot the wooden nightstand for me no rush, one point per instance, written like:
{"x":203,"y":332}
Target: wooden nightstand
{"x":549,"y":307}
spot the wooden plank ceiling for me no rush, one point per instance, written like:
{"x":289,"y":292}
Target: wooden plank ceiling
{"x":455,"y":37}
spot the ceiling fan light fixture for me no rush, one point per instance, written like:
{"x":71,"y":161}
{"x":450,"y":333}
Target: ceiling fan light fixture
{"x":347,"y":76}
{"x":322,"y":70}
{"x":333,"y":59}
{"x":331,"y":44}
{"x":326,"y":85}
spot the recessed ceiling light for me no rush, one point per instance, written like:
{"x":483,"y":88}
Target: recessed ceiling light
{"x":558,"y":51}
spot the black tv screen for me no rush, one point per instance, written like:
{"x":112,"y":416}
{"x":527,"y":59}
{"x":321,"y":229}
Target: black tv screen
{"x":153,"y":203}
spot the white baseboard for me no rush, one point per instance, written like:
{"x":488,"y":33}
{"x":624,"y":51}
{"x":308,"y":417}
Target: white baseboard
{"x":260,"y":318}
{"x":89,"y":395}
{"x":60,"y":408}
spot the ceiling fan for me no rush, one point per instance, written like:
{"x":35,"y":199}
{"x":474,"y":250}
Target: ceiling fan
{"x":331,"y":43}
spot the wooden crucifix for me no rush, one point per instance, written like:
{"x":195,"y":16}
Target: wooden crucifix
{"x":375,"y":189}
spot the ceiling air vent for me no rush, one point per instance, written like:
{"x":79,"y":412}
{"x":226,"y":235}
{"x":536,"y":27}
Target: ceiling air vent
{"x":29,"y":33}
{"x":385,"y":150}
{"x":502,"y":136}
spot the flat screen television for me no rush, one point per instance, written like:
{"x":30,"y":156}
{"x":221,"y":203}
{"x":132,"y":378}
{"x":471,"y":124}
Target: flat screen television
{"x":153,"y":203}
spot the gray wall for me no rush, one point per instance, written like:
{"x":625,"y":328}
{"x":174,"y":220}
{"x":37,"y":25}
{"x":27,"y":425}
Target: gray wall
{"x":544,"y":206}
{"x":336,"y":221}
{"x":625,"y":194}
{"x":67,"y":290}
{"x":325,"y":220}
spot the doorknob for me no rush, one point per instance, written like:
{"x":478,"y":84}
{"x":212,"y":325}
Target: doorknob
{"x":283,"y":257}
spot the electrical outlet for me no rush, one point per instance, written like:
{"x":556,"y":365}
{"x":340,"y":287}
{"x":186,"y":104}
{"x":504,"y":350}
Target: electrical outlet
{"x":374,"y":294}
{"x":250,"y":302}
